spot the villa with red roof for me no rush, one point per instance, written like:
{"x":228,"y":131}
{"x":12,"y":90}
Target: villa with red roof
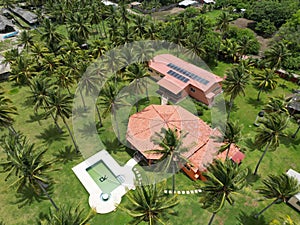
{"x":201,"y":147}
{"x":178,"y":79}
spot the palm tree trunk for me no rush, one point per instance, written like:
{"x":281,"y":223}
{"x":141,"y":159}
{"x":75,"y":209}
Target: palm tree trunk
{"x":173,"y":177}
{"x":227,"y":153}
{"x":82,"y":99}
{"x":258,"y":96}
{"x":56,"y":124}
{"x":117,"y":126}
{"x":262,"y":156}
{"x":46,"y":193}
{"x":294,"y":135}
{"x":212,"y":218}
{"x":261,"y":212}
{"x":99,"y":116}
{"x":72,"y":137}
{"x":230,"y":106}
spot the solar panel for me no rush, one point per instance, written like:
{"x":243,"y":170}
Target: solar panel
{"x":178,"y":76}
{"x":187,"y":73}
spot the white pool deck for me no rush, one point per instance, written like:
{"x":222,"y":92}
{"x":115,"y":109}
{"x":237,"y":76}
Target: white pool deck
{"x":94,"y":190}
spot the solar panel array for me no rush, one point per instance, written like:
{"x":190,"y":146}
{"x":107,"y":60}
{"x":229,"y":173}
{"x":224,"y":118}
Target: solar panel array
{"x":178,"y":76}
{"x":188,"y":74}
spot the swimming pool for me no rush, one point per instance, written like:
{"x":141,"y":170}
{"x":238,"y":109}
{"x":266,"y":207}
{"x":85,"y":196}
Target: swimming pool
{"x":105,"y":180}
{"x":103,"y":177}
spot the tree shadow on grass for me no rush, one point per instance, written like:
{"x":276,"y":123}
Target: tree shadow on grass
{"x":88,"y":130}
{"x":66,"y":155}
{"x":247,"y":218}
{"x":27,"y":196}
{"x":80,"y":111}
{"x":249,"y":144}
{"x":36,"y":118}
{"x":113,"y":145}
{"x":256,"y":104}
{"x":51,"y":134}
{"x":251,"y":178}
{"x":291,"y":142}
{"x":27,"y":103}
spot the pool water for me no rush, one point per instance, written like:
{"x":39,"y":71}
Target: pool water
{"x":103,"y":177}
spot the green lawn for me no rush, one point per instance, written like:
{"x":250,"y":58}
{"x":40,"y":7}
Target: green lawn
{"x":68,"y":189}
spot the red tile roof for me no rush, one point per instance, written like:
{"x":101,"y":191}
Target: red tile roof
{"x":143,"y":126}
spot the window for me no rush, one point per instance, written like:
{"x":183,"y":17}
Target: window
{"x":298,"y":203}
{"x":193,"y":89}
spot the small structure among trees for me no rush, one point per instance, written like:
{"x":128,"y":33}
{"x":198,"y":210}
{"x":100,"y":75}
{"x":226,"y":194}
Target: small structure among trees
{"x":6,"y":26}
{"x":295,"y":200}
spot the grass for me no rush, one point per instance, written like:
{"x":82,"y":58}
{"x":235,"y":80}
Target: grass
{"x":68,"y":189}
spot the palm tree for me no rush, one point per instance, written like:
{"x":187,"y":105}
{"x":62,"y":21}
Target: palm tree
{"x":149,"y":204}
{"x":66,"y":215}
{"x":265,"y":81}
{"x":232,"y":135}
{"x":110,"y":100}
{"x":224,"y":180}
{"x":276,"y":104}
{"x":137,"y":75}
{"x":38,"y":51}
{"x":40,"y":91}
{"x":278,"y":187}
{"x":26,"y":164}
{"x":10,"y":56}
{"x":235,"y":83}
{"x":139,"y":27}
{"x":7,"y":110}
{"x":64,"y":78}
{"x":223,"y":23}
{"x":170,"y":143}
{"x":268,"y":135}
{"x":22,"y":70}
{"x":26,"y":39}
{"x":60,"y":106}
{"x":230,"y":50}
{"x":51,"y":35}
{"x":277,"y":55}
{"x":79,"y":27}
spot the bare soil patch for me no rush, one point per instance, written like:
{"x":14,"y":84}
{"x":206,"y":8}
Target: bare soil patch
{"x":161,"y":15}
{"x":264,"y":42}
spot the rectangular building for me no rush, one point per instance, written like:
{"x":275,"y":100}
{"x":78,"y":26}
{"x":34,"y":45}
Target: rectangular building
{"x":177,"y":79}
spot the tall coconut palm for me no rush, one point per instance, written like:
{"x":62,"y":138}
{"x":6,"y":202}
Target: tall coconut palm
{"x":266,"y":81}
{"x":224,"y":181}
{"x":60,"y":106}
{"x":235,"y":84}
{"x":171,"y":149}
{"x":66,"y":215}
{"x":64,"y":78}
{"x":50,"y":35}
{"x":110,"y":101}
{"x":22,"y":70}
{"x":232,"y":135}
{"x":79,"y":27}
{"x":269,"y":134}
{"x":139,"y":27}
{"x":277,"y":55}
{"x":26,"y":39}
{"x":38,"y":51}
{"x":223,"y":22}
{"x":278,"y":187}
{"x":7,"y":110}
{"x":276,"y":104}
{"x":39,"y":94}
{"x":137,"y":74}
{"x":149,"y":204}
{"x":26,"y":164}
{"x":10,"y":56}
